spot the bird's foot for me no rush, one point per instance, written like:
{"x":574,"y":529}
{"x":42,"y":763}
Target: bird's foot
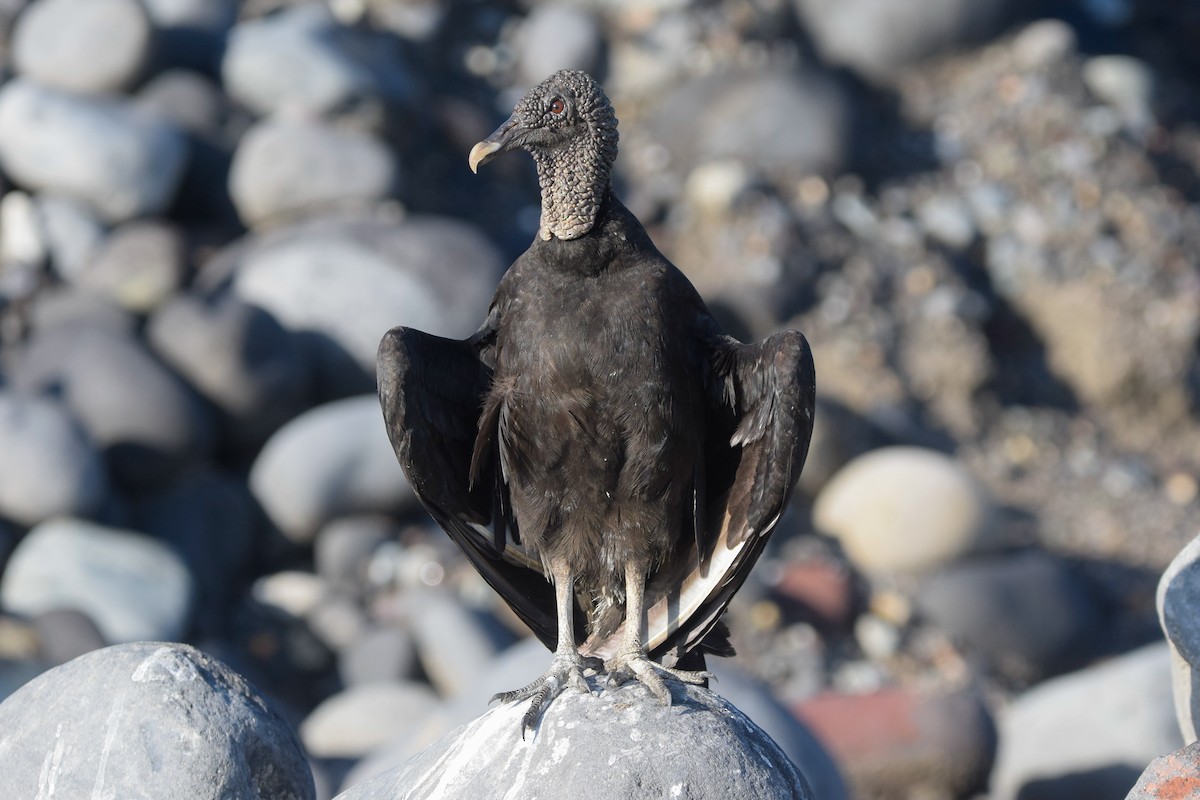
{"x":627,"y":666}
{"x":566,"y":670}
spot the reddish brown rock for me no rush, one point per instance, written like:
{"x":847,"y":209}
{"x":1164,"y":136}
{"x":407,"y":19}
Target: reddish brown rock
{"x":1175,"y":776}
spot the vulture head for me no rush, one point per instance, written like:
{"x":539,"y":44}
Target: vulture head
{"x":567,"y":124}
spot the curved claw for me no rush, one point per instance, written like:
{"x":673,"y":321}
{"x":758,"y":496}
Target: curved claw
{"x":566,"y":670}
{"x":626,"y":666}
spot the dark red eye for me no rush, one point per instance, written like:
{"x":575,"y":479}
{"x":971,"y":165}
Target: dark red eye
{"x":557,"y":106}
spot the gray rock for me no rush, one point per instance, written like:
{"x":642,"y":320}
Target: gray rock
{"x":65,"y":634}
{"x":102,"y":150}
{"x":55,"y":43}
{"x":1175,"y":776}
{"x":343,"y":548}
{"x":140,"y":265}
{"x":380,"y":655}
{"x":67,"y":306}
{"x":22,"y":241}
{"x":239,"y":358}
{"x":454,"y":644}
{"x":73,"y":234}
{"x":431,"y":273}
{"x":555,"y":37}
{"x":626,"y":745}
{"x":1087,"y":734}
{"x":877,"y":37}
{"x":1178,"y":598}
{"x":189,"y":100}
{"x":925,"y":511}
{"x":134,"y":587}
{"x":48,"y":466}
{"x":288,"y":168}
{"x":1043,"y":43}
{"x":145,"y":419}
{"x":356,"y":720}
{"x":331,"y":461}
{"x":301,"y":59}
{"x":214,"y":15}
{"x":1027,"y":616}
{"x":148,"y":720}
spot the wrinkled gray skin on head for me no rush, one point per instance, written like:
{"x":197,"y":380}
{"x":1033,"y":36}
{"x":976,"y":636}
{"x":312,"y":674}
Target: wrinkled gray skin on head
{"x":574,"y":150}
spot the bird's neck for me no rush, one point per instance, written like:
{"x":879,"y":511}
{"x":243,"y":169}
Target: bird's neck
{"x":574,"y":180}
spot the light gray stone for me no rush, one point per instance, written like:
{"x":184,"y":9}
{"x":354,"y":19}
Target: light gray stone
{"x":1178,"y":601}
{"x":555,"y":37}
{"x":454,"y":644}
{"x":286,"y":168}
{"x":55,"y":43}
{"x":356,"y":720}
{"x":22,"y":241}
{"x":140,"y":265}
{"x":102,"y":150}
{"x":1089,"y":733}
{"x":48,"y":466}
{"x":147,"y":721}
{"x":73,"y":231}
{"x":331,"y":461}
{"x":621,"y":743}
{"x":134,"y":587}
{"x":1125,"y":83}
{"x":188,"y":99}
{"x":379,"y":655}
{"x":67,"y":306}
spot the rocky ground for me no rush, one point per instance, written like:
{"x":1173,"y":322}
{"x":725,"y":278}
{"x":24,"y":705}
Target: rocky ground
{"x":985,"y":216}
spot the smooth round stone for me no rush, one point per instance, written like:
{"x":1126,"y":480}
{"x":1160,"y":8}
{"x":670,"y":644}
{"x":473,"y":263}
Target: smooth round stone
{"x":1043,"y":43}
{"x":67,"y":306}
{"x":55,"y":43}
{"x":454,"y":644}
{"x":123,"y":162}
{"x":300,"y":59}
{"x":148,"y":720}
{"x":355,"y":721}
{"x":343,"y":549}
{"x":21,"y":238}
{"x":48,"y":466}
{"x":619,"y":743}
{"x":1026,"y":616}
{"x":1178,"y":597}
{"x":904,"y":509}
{"x":140,"y":265}
{"x":239,"y":358}
{"x":331,"y":461}
{"x":349,"y":283}
{"x":190,"y":100}
{"x":74,"y":233}
{"x":65,"y":634}
{"x":379,"y":655}
{"x":1124,"y":82}
{"x":286,"y":167}
{"x":1089,"y":733}
{"x":145,"y":419}
{"x":133,"y":586}
{"x":878,"y":37}
{"x":555,"y":37}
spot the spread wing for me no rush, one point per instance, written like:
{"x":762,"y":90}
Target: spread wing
{"x":431,"y":390}
{"x":759,"y":421}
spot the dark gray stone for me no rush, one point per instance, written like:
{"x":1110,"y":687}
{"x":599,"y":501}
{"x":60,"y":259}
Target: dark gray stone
{"x":140,"y":265}
{"x":121,"y":161}
{"x":147,"y":421}
{"x":55,"y":43}
{"x":133,"y":586}
{"x":288,"y":168}
{"x":15,"y":673}
{"x":343,"y":549}
{"x":147,"y":721}
{"x":328,"y":462}
{"x":65,"y":634}
{"x":48,"y":466}
{"x":1028,"y":616}
{"x":1178,"y":601}
{"x":239,"y":358}
{"x":621,"y":743}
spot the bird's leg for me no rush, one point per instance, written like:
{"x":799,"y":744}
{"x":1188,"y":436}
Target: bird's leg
{"x":631,"y":659}
{"x":567,"y":667}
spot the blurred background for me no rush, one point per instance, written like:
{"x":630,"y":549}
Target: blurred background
{"x":982,"y":213}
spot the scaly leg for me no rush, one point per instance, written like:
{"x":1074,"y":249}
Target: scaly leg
{"x":631,"y":660}
{"x":567,"y":667}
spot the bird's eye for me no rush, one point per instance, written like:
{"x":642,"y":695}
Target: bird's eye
{"x":557,"y":106}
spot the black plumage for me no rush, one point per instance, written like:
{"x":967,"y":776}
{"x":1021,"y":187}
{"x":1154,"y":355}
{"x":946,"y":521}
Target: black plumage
{"x":599,"y":449}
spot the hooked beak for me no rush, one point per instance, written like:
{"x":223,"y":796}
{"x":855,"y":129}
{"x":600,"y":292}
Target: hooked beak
{"x":494,"y":145}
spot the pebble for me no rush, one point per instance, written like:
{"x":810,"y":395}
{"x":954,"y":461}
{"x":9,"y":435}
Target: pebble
{"x":1175,"y":776}
{"x":73,"y":234}
{"x":55,"y":43}
{"x":343,"y":549}
{"x":455,"y":644}
{"x":187,"y":99}
{"x":239,"y":358}
{"x":21,"y":239}
{"x":133,"y":586}
{"x":356,"y":720}
{"x":1043,"y":43}
{"x":554,"y":37}
{"x":632,"y":747}
{"x":1178,"y":598}
{"x":1027,"y":616}
{"x":140,"y":265}
{"x":148,"y":720}
{"x":1123,"y":82}
{"x":301,"y":60}
{"x":66,"y":306}
{"x":65,"y":634}
{"x":934,"y":744}
{"x":904,"y":510}
{"x":1089,"y":733}
{"x":48,"y":466}
{"x":430,"y":273}
{"x":102,"y":150}
{"x":148,"y":422}
{"x":379,"y":655}
{"x":947,"y":220}
{"x":331,"y":461}
{"x":286,"y":168}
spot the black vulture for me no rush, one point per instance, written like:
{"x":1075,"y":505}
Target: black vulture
{"x":609,"y":460}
